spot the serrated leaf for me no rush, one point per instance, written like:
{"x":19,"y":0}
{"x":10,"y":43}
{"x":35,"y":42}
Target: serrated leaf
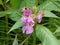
{"x":15,"y":42}
{"x":45,"y":35}
{"x":16,"y":25}
{"x":55,"y":3}
{"x":48,"y":5}
{"x":49,"y":14}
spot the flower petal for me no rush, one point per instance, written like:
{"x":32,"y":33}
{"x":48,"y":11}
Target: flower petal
{"x":39,"y":18}
{"x":30,"y":21}
{"x":24,"y":29}
{"x":29,"y":30}
{"x":24,"y":19}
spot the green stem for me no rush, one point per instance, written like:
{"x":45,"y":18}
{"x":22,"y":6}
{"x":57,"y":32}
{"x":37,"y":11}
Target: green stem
{"x":34,"y":39}
{"x":26,"y":43}
{"x":36,"y":2}
{"x":34,"y":35}
{"x":25,"y":2}
{"x":6,"y":18}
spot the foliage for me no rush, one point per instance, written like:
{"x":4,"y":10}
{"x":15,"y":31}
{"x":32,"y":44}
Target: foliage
{"x":11,"y":25}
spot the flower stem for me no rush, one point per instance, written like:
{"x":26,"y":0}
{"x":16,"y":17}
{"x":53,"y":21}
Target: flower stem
{"x":36,"y":3}
{"x":26,"y":43}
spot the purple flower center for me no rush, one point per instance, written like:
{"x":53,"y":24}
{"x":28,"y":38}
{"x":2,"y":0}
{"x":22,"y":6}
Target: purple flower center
{"x":27,"y":12}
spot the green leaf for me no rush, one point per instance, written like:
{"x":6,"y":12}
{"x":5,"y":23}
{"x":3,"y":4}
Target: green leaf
{"x":57,"y":32}
{"x":0,"y":1}
{"x":56,"y":3}
{"x":15,"y":41}
{"x":2,"y":14}
{"x":45,"y":35}
{"x":15,"y":4}
{"x":27,"y":3}
{"x":30,"y":3}
{"x":48,"y":5}
{"x":15,"y":15}
{"x":49,"y":14}
{"x":7,"y":1}
{"x":57,"y":0}
{"x":22,"y":4}
{"x":16,"y":25}
{"x":59,"y":41}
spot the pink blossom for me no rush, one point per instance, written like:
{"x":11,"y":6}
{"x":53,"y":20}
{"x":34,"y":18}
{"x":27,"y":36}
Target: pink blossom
{"x":30,"y":21}
{"x":27,"y":20}
{"x":27,"y":29}
{"x":24,"y":18}
{"x":39,"y":18}
{"x":27,"y":12}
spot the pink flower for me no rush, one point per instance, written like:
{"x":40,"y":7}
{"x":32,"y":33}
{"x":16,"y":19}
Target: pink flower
{"x":27,"y":29}
{"x":30,"y":21}
{"x":27,"y":12}
{"x":39,"y":18}
{"x":27,"y":20}
{"x":24,"y":18}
